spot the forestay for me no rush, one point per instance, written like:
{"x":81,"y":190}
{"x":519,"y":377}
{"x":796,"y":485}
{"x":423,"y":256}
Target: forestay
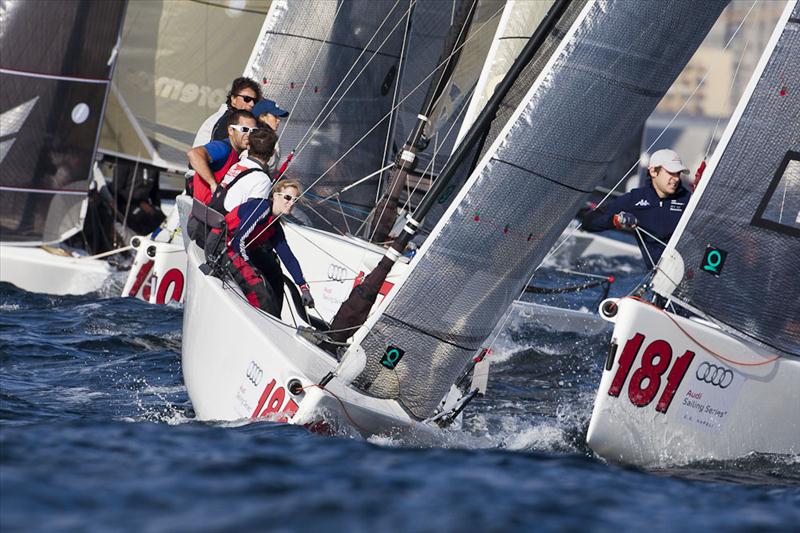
{"x":597,"y":89}
{"x":306,"y":52}
{"x":740,"y":241}
{"x":176,"y":63}
{"x":56,"y":61}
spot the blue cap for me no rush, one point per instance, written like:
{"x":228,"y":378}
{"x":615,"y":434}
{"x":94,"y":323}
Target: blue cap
{"x":268,"y":106}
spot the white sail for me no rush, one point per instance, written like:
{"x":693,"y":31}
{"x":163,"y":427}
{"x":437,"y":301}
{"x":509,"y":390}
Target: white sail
{"x":176,"y":63}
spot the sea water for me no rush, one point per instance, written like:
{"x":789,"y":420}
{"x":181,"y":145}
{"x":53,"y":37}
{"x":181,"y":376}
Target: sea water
{"x":97,"y":434}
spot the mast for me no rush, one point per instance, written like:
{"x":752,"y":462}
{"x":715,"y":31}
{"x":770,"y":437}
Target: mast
{"x":406,"y":161}
{"x":355,"y":309}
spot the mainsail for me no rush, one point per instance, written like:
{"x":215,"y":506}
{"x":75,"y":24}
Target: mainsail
{"x":566,"y":120}
{"x":57,"y":58}
{"x":176,"y":63}
{"x":734,"y":256}
{"x":333,"y":65}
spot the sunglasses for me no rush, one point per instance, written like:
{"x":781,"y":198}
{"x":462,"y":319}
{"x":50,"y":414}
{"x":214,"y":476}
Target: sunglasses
{"x":288,"y":197}
{"x":243,"y":129}
{"x":247,"y":99}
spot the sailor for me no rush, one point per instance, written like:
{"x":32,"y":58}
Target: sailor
{"x":252,"y":214}
{"x":244,"y":94}
{"x":212,"y":160}
{"x":269,"y":114}
{"x":656,"y":207}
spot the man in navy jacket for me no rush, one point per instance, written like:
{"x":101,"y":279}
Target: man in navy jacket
{"x":656,"y":207}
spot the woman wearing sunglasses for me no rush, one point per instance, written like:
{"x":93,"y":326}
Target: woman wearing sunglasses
{"x":255,"y":235}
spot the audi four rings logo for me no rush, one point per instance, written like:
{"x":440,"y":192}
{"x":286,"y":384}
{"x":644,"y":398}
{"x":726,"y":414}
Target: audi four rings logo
{"x":254,"y":373}
{"x":337,"y":272}
{"x":714,"y":375}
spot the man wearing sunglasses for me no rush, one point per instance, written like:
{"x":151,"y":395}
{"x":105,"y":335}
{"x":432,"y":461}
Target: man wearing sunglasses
{"x":212,"y":161}
{"x":243,"y":95}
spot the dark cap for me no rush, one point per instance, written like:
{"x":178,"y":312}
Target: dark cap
{"x":269,"y":106}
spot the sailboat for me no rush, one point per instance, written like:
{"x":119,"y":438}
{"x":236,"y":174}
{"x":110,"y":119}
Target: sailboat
{"x":51,"y":107}
{"x":723,"y":383}
{"x":176,"y":62}
{"x":588,"y":67}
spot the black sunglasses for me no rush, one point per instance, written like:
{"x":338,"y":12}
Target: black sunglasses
{"x":247,"y":99}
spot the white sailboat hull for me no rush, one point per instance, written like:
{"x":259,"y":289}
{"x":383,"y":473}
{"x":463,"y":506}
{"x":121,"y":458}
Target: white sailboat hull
{"x":239,"y":364}
{"x":712,"y":396}
{"x":36,"y":270}
{"x":158,"y":273}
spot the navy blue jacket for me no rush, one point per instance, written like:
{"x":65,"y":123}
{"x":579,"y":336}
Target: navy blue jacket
{"x":658,"y":216}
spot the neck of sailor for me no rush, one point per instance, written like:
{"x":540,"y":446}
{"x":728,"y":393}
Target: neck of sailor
{"x":241,"y":141}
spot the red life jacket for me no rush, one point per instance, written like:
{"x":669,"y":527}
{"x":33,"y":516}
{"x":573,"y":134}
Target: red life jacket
{"x":202,"y":191}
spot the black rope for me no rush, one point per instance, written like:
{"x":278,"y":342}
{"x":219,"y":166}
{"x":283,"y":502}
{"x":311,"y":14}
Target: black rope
{"x":571,"y":288}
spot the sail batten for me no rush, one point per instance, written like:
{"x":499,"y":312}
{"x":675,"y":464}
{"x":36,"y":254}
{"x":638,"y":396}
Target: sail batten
{"x":505,"y":218}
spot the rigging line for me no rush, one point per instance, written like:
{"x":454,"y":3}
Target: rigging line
{"x":354,"y":184}
{"x":406,"y":97}
{"x":438,"y":147}
{"x":455,"y":51}
{"x":310,"y":70}
{"x":728,"y":96}
{"x":350,"y":86}
{"x":706,"y":348}
{"x":312,"y":129}
{"x":344,"y":217}
{"x":441,"y":80}
{"x":639,"y":232}
{"x":661,"y":134}
{"x":392,"y":119}
{"x":323,"y":218}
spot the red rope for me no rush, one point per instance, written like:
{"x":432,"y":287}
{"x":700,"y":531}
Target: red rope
{"x":704,"y":347}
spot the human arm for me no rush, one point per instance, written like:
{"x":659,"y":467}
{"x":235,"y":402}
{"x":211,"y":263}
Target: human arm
{"x":199,"y":160}
{"x":602,"y":218}
{"x":293,"y":266}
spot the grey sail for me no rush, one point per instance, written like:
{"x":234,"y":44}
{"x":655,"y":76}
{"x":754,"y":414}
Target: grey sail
{"x":597,"y":88}
{"x":319,"y":41}
{"x":431,"y":21}
{"x":741,"y":244}
{"x":175,"y":65}
{"x":56,"y":61}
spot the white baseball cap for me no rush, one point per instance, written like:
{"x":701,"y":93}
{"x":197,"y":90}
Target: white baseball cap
{"x":668,"y":159}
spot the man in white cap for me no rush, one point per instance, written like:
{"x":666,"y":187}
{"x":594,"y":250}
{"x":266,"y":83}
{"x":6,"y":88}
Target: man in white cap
{"x":656,"y":207}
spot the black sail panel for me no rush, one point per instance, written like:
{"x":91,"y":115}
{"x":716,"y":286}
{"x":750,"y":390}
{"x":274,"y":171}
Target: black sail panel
{"x":54,"y":72}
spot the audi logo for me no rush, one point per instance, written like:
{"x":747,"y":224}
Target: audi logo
{"x":337,"y":272}
{"x":254,"y":373}
{"x":715,"y":375}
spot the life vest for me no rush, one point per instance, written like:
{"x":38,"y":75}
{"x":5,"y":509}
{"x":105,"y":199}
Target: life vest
{"x":218,"y":199}
{"x":202,"y":191}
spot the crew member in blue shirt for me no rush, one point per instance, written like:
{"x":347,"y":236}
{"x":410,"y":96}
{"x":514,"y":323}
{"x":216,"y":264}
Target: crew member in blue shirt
{"x":656,"y":207}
